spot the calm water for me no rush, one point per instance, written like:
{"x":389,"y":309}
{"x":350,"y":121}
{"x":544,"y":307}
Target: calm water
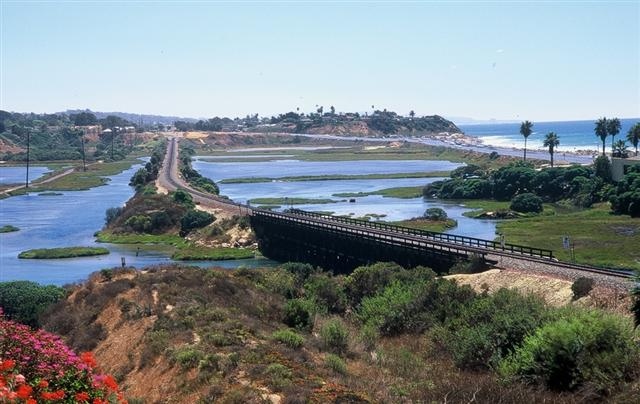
{"x":71,"y":219}
{"x":393,"y":208}
{"x":574,"y":135}
{"x":282,"y":168}
{"x":17,"y":175}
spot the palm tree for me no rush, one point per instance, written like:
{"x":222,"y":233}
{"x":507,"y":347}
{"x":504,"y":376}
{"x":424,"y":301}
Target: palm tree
{"x":551,"y":141}
{"x":613,"y":128}
{"x":601,"y":131}
{"x":634,"y":136}
{"x":620,"y":149}
{"x":525,"y":130}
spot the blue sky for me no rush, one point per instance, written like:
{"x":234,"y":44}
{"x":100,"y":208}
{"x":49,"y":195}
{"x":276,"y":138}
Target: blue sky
{"x":504,"y":60}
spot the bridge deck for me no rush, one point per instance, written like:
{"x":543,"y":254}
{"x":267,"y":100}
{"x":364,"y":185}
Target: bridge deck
{"x":397,"y":235}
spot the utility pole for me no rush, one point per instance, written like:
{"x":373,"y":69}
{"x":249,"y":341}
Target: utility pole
{"x":84,"y":162}
{"x":113,"y":135}
{"x":26,"y":183}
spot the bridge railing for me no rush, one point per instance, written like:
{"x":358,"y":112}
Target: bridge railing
{"x":445,"y":237}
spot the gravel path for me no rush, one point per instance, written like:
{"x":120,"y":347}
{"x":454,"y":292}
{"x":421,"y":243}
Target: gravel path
{"x":562,"y":273}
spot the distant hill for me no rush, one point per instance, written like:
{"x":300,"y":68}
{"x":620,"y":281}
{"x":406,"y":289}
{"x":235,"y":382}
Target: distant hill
{"x":380,"y":123}
{"x":135,"y":118}
{"x":377,"y":124}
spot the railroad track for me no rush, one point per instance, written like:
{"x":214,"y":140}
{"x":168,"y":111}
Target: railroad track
{"x":169,"y":175}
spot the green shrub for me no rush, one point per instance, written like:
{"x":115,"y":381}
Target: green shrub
{"x":279,"y":376}
{"x":112,"y":214}
{"x":301,"y":270}
{"x":194,"y":219}
{"x":435,"y":214}
{"x":183,"y":198}
{"x":335,"y":363}
{"x":298,"y":314}
{"x":414,"y":305}
{"x":327,"y":292}
{"x":369,"y":336}
{"x":492,"y":326}
{"x":602,"y":168}
{"x":139,"y":223}
{"x":526,"y":203}
{"x":335,"y":336}
{"x":581,"y":287}
{"x":288,"y":337}
{"x":25,"y":301}
{"x":188,"y":357}
{"x":368,"y":280}
{"x":584,"y":348}
{"x":281,"y":282}
{"x":392,"y":310}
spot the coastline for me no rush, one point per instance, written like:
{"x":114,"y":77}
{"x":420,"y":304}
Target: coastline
{"x":469,"y":142}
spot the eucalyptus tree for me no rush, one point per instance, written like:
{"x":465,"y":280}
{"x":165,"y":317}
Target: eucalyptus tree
{"x":602,"y":131}
{"x":613,"y":128}
{"x":551,"y":140}
{"x":633,"y":136}
{"x":526,"y":130}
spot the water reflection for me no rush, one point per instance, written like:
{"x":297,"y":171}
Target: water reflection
{"x":17,"y":175}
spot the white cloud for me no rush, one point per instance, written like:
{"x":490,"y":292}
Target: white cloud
{"x":499,"y":50}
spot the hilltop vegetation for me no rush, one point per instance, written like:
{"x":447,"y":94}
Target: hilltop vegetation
{"x":378,"y":123}
{"x":60,"y":136}
{"x":381,"y":334}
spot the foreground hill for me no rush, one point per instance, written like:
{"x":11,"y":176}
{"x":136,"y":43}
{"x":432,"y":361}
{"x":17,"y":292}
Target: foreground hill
{"x":295,"y":334}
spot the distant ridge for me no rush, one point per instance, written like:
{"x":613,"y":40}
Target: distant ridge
{"x":147,"y":119}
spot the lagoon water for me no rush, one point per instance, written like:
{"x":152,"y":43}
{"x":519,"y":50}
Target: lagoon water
{"x":17,"y":175}
{"x":392,"y":208}
{"x":71,"y":219}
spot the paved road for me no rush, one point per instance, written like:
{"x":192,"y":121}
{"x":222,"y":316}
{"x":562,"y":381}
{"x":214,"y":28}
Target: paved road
{"x":170,"y":179}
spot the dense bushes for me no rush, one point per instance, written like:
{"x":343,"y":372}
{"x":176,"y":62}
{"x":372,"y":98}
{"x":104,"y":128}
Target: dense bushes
{"x":24,"y":301}
{"x":194,"y":177}
{"x":581,"y":287}
{"x":625,"y":198}
{"x":526,"y":203}
{"x":195,"y":219}
{"x":582,"y":348}
{"x":435,"y":214}
{"x":491,"y":327}
{"x":579,"y":184}
{"x":154,"y":214}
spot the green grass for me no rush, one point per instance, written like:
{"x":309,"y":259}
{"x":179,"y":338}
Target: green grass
{"x":93,"y":177}
{"x":135,"y":238}
{"x":398,"y":192}
{"x":288,"y":201}
{"x":600,"y":237}
{"x":428,"y":225}
{"x":336,"y":177}
{"x":183,"y":249}
{"x":50,"y":194}
{"x":194,"y":253}
{"x":65,"y":252}
{"x":8,"y":228}
{"x":483,"y":206}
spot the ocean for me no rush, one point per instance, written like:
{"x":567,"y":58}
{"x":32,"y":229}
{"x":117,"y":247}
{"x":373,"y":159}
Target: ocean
{"x":574,"y":135}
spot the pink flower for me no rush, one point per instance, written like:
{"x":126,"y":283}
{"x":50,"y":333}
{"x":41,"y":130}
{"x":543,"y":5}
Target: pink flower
{"x":20,"y":379}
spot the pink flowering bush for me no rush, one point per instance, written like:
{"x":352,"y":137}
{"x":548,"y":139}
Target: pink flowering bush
{"x":36,"y":366}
